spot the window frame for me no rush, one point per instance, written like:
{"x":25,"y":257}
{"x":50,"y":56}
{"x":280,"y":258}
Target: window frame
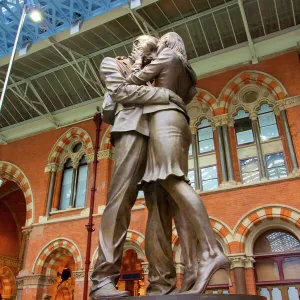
{"x":235,"y":133}
{"x":259,"y":127}
{"x":241,"y":174}
{"x":201,"y":181}
{"x":74,"y":184}
{"x":285,"y":163}
{"x":198,"y":141}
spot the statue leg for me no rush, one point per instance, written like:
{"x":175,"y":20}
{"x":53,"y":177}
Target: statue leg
{"x":129,"y":167}
{"x":189,"y":246}
{"x":191,"y":205}
{"x":158,"y":241}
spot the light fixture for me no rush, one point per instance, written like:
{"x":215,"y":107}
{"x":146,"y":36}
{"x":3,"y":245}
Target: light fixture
{"x":34,"y":12}
{"x":35,"y":15}
{"x":75,"y":27}
{"x":135,"y":3}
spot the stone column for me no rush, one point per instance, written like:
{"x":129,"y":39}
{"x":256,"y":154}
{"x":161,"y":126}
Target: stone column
{"x":195,"y":157}
{"x":217,"y":125}
{"x":24,"y":247}
{"x":145,"y":266}
{"x":228,"y":154}
{"x":179,"y":274}
{"x":289,"y":140}
{"x":52,"y":169}
{"x":79,"y":279}
{"x":238,"y":266}
{"x":261,"y":162}
{"x":57,"y":189}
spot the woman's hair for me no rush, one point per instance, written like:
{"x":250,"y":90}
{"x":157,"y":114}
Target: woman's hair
{"x":174,"y":41}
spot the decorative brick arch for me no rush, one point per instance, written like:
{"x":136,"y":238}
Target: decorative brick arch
{"x":223,"y":231}
{"x":48,"y":256}
{"x":251,"y":77}
{"x":11,"y":172}
{"x":66,"y":139}
{"x":9,"y":282}
{"x":207,"y":98}
{"x":257,"y":216}
{"x":106,"y":143}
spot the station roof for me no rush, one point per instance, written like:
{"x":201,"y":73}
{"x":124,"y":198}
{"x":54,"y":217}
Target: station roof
{"x":56,"y":82}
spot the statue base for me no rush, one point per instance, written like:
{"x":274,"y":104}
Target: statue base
{"x":194,"y":297}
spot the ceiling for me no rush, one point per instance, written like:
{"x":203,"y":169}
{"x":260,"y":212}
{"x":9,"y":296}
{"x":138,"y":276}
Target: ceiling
{"x":63,"y":74}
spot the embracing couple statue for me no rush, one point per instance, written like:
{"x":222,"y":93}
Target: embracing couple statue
{"x":151,"y":137}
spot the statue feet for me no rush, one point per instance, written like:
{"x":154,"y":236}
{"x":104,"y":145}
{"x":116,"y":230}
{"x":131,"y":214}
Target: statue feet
{"x":206,"y":270}
{"x":108,"y":291}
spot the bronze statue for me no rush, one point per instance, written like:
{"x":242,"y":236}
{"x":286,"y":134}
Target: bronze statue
{"x":129,"y":136}
{"x":153,"y":119}
{"x":169,"y":140}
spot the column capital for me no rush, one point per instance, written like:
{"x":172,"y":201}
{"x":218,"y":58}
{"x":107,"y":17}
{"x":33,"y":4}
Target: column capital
{"x":89,"y":158}
{"x":193,"y":129}
{"x":51,"y":167}
{"x":145,"y":267}
{"x":253,"y":115}
{"x":105,"y":154}
{"x":241,"y":261}
{"x":26,"y":232}
{"x":78,"y":275}
{"x":220,"y":120}
{"x":179,"y":268}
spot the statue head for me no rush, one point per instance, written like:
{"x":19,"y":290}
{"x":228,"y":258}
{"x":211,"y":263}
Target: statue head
{"x":173,"y":41}
{"x":146,"y":44}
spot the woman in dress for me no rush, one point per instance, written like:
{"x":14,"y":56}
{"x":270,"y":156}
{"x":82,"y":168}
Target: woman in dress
{"x":169,"y":141}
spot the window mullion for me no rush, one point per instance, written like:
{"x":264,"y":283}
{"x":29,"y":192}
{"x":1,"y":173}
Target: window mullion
{"x":73,"y":187}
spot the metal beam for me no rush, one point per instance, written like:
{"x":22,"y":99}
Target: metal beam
{"x":146,"y":24}
{"x":250,"y":41}
{"x":2,"y":140}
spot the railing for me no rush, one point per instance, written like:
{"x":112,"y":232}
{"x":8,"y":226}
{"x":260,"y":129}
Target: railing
{"x":280,"y":292}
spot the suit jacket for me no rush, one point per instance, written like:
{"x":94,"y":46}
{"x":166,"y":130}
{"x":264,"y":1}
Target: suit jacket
{"x":168,"y":71}
{"x":130,"y":98}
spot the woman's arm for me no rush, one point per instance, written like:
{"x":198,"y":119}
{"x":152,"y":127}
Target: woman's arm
{"x":151,"y":71}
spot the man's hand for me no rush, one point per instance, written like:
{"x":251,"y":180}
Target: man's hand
{"x":177,"y":100}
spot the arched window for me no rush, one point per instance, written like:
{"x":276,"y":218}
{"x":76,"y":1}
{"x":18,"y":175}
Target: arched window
{"x":74,"y":184}
{"x":243,"y":128}
{"x":277,"y":266}
{"x":205,"y":137}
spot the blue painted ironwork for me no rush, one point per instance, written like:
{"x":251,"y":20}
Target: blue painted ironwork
{"x":58,"y":16}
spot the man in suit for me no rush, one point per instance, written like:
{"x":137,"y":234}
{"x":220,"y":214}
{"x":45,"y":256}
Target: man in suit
{"x":129,"y":136}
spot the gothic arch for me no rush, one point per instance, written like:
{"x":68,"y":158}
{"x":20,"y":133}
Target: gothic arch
{"x":257,"y":78}
{"x":46,"y":260}
{"x":11,"y":172}
{"x":207,"y":98}
{"x":261,"y":216}
{"x":56,"y":156}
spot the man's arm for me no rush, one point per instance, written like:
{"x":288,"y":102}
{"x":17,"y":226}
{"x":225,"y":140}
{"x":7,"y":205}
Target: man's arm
{"x":129,"y":94}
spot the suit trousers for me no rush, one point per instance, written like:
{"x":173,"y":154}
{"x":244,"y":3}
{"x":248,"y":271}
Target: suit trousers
{"x":129,"y":166}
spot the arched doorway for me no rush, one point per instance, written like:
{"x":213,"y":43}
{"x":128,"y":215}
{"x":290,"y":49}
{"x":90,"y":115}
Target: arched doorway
{"x":131,"y":278}
{"x":12,"y":239}
{"x":277,"y":265}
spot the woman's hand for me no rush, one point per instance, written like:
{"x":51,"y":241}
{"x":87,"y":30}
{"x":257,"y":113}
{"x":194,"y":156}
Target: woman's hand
{"x":137,"y":56}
